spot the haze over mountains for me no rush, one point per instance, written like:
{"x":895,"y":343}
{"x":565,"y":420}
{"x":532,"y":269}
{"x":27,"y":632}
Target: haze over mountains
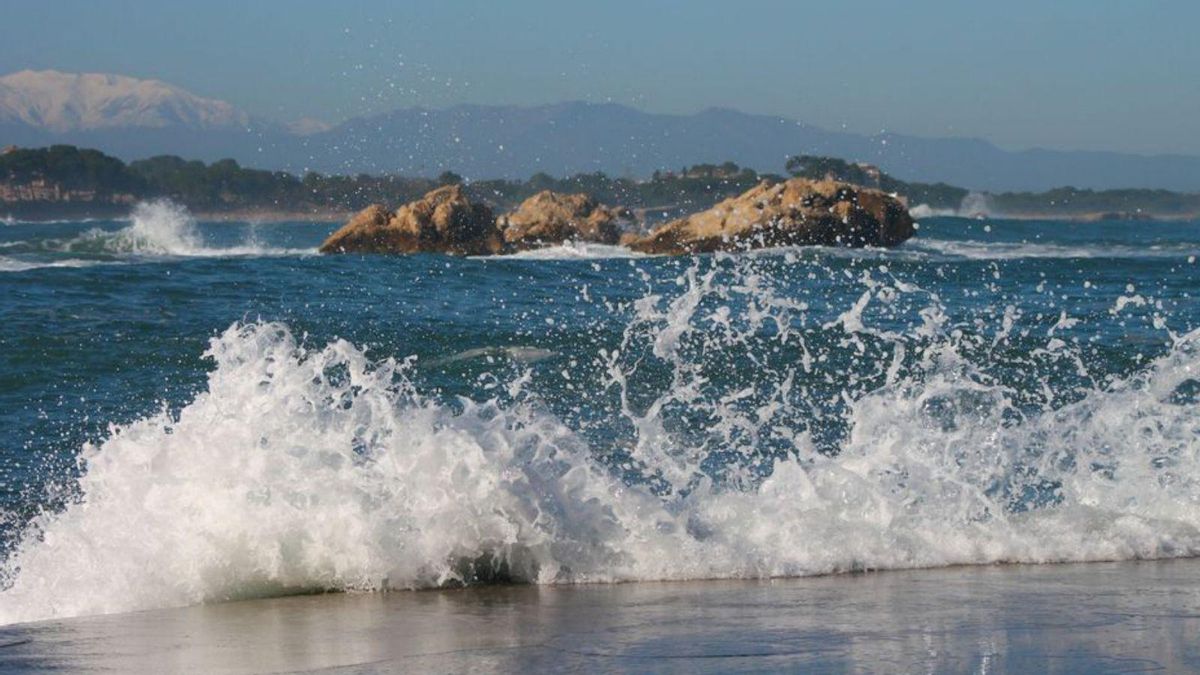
{"x":134,"y":118}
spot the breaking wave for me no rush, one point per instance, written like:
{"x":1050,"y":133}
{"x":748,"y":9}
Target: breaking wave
{"x":732,"y":432}
{"x":8,"y":264}
{"x":574,"y":250}
{"x":999,"y":250}
{"x":973,"y":205}
{"x":10,"y":220}
{"x":158,"y":228}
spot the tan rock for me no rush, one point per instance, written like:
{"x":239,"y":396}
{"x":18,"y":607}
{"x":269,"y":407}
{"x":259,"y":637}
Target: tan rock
{"x":628,"y":239}
{"x":794,"y":212}
{"x":552,"y":218}
{"x":443,"y":221}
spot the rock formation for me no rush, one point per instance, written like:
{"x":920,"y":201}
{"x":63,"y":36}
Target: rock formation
{"x":795,"y":212}
{"x":443,"y":221}
{"x":552,"y":218}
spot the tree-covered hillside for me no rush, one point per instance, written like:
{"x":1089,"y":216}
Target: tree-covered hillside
{"x":35,"y":178}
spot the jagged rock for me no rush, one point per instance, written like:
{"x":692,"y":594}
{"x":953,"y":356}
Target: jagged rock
{"x":552,"y":218}
{"x":443,"y":221}
{"x":794,"y":212}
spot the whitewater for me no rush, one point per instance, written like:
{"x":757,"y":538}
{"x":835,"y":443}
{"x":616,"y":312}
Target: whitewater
{"x":157,"y":229}
{"x":990,"y":392}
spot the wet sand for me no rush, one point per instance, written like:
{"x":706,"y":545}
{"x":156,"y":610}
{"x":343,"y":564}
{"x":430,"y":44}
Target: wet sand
{"x":1096,"y":618}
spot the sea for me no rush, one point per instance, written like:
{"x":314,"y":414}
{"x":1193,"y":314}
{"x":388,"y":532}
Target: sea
{"x":194,"y":412}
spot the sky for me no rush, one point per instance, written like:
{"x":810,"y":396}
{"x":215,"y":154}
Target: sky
{"x":1071,"y":74}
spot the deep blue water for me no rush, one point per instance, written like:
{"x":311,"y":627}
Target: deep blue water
{"x":1006,"y":345}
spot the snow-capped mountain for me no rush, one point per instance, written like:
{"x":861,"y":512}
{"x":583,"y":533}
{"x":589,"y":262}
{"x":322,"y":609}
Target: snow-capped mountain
{"x":63,"y":102}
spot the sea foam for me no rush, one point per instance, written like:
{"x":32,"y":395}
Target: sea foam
{"x":991,"y":250}
{"x":8,"y":264}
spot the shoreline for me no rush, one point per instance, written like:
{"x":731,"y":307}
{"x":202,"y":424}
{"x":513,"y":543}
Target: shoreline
{"x":1088,"y":617}
{"x":236,"y":216}
{"x":272,"y":216}
{"x":341,"y":216}
{"x":1096,"y":217}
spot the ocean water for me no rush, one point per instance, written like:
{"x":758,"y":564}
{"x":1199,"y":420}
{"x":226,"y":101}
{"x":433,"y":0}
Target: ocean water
{"x":196,"y":412}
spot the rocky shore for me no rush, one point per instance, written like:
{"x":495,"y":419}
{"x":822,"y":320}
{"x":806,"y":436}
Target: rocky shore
{"x":787,"y":213}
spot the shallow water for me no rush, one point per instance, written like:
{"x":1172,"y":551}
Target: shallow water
{"x":194,"y":412}
{"x":1098,"y":618}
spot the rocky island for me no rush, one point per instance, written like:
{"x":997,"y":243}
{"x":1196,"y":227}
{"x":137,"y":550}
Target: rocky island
{"x":549,"y":218}
{"x":794,"y":212}
{"x":443,"y":221}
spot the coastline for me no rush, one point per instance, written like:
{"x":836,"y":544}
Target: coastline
{"x":1096,"y":217}
{"x":273,"y":216}
{"x":250,"y":215}
{"x":281,"y":215}
{"x":1084,"y":617}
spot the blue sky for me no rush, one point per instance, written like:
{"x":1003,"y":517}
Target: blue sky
{"x":1078,"y":74}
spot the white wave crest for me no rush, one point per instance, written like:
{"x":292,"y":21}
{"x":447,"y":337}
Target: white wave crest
{"x":572,"y":250}
{"x":973,"y":205}
{"x":156,"y":229}
{"x":926,"y":211}
{"x":8,"y":264}
{"x":302,"y":470}
{"x":997,"y":250}
{"x":13,"y":221}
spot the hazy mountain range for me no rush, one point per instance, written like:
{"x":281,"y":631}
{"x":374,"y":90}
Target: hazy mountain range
{"x":134,"y":118}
